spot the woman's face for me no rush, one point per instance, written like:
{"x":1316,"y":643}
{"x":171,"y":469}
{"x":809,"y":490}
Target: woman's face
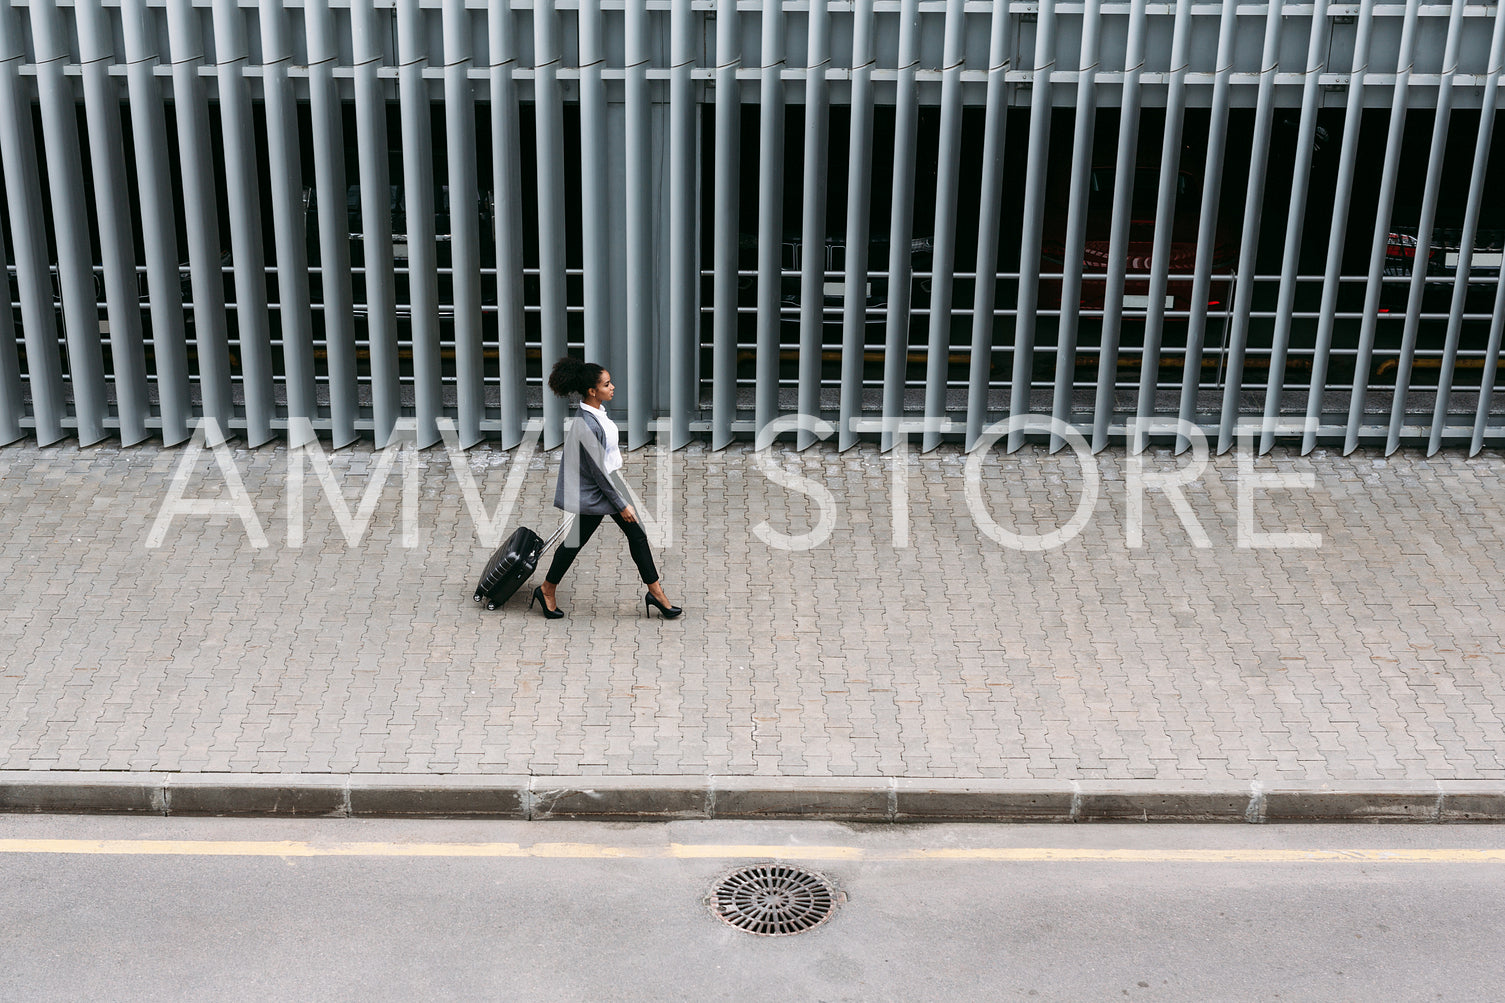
{"x":605,"y":389}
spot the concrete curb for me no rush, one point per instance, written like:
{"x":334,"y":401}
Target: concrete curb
{"x":665,"y":798}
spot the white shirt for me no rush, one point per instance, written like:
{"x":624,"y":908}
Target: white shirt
{"x":613,"y":450}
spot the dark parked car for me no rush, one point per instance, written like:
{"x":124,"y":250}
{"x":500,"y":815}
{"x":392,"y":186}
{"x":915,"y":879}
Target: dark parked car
{"x":397,"y":207}
{"x":833,"y":285}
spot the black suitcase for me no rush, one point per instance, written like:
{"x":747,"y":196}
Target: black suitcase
{"x":513,"y":563}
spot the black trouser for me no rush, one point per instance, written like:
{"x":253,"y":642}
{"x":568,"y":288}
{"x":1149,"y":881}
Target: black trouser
{"x":585,"y":525}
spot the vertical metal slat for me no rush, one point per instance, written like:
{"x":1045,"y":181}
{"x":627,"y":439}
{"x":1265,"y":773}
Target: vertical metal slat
{"x":1342,"y":198}
{"x":859,"y":199}
{"x":1118,"y":239}
{"x":944,"y":251}
{"x":1254,"y":197}
{"x":639,"y":252}
{"x":684,"y":257}
{"x":243,"y":191}
{"x":418,"y":191}
{"x":593,"y":202}
{"x":464,"y":221}
{"x":200,"y":215}
{"x":989,"y":212}
{"x":549,"y":113}
{"x":158,"y":230}
{"x":333,"y":216}
{"x":116,"y":235}
{"x":23,"y":194}
{"x":506,"y":169}
{"x":1076,"y":218}
{"x":728,"y":164}
{"x":770,"y":213}
{"x":1389,"y":178}
{"x":1491,"y":369}
{"x":901,"y":222}
{"x":1165,"y":202}
{"x":1038,"y":162}
{"x":813,"y":242}
{"x":70,"y":223}
{"x":1306,"y":134}
{"x":289,"y":220}
{"x":1424,"y":226}
{"x":12,"y":398}
{"x":1470,"y":230}
{"x":376,"y":217}
{"x":1212,"y":187}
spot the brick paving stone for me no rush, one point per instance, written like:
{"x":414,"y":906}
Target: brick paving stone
{"x":1375,"y":657}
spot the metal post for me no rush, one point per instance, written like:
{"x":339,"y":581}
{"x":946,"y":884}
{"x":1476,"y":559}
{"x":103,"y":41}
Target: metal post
{"x":158,"y":233}
{"x":1034,"y":217}
{"x":464,"y":220}
{"x":813,"y":241}
{"x":944,"y":252}
{"x":506,"y":170}
{"x":1072,"y":258}
{"x":593,"y":203}
{"x":989,"y":211}
{"x":1165,"y":208}
{"x":728,"y":164}
{"x":1343,"y":197}
{"x":23,"y":194}
{"x":684,"y":258}
{"x":333,"y":217}
{"x":1470,"y":230}
{"x":418,"y":194}
{"x":1424,"y":226}
{"x":1118,"y":238}
{"x":770,"y":213}
{"x":859,"y":198}
{"x":201,"y":213}
{"x":1389,"y":178}
{"x":65,"y":180}
{"x":241,"y":181}
{"x":289,"y":221}
{"x":1306,"y":134}
{"x":1212,"y":189}
{"x":901,"y":223}
{"x":1254,"y":199}
{"x":116,"y":236}
{"x":376,"y":215}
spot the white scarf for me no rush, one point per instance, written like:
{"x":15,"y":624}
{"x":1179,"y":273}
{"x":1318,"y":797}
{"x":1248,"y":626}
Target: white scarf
{"x":613,"y":460}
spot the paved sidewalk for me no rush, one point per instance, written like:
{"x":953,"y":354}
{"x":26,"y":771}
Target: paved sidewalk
{"x":1376,"y":657}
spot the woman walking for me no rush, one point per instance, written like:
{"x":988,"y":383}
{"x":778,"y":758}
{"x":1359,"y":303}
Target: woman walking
{"x":586,"y":487}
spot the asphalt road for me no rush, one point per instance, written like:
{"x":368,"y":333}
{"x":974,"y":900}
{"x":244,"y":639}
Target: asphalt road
{"x":217,"y":909}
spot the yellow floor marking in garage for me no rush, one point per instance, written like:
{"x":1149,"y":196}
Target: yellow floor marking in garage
{"x":688,"y":851}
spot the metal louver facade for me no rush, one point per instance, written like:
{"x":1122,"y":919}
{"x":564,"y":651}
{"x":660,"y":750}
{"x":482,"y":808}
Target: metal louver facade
{"x":1109,"y":213}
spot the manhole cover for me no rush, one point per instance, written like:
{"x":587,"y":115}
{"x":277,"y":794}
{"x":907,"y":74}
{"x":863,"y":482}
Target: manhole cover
{"x":772,"y":900}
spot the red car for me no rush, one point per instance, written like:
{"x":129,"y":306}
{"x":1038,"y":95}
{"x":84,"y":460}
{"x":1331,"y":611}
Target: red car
{"x":1095,"y":252}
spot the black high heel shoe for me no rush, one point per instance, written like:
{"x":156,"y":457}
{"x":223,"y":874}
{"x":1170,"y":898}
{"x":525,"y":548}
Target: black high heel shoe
{"x":552,"y":614}
{"x":667,"y":612}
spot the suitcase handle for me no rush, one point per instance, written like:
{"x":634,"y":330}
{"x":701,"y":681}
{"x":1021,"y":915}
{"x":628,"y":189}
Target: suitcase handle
{"x":558,"y":535}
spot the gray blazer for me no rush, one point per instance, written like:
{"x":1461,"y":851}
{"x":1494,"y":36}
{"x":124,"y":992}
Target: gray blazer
{"x":584,"y":486}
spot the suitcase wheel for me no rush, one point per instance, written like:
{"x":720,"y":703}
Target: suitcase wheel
{"x":491,"y":605}
{"x":479,"y":596}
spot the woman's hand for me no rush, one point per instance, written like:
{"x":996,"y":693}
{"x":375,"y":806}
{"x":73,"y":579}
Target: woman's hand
{"x":629,"y":514}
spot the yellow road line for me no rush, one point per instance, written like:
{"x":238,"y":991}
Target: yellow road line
{"x":692,"y":851}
